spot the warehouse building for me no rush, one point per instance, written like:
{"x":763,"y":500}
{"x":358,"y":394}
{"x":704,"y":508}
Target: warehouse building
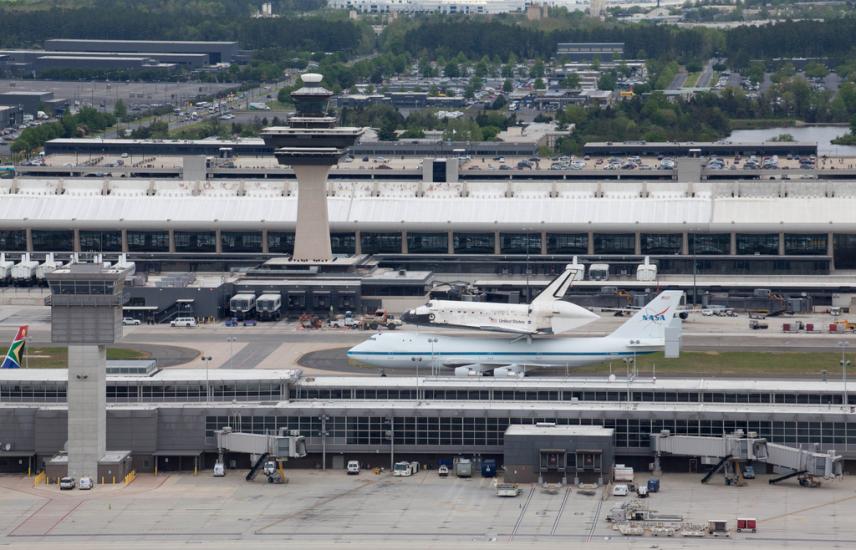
{"x":10,"y":116}
{"x":589,"y":51}
{"x":217,"y":52}
{"x":31,"y":58}
{"x":167,"y":419}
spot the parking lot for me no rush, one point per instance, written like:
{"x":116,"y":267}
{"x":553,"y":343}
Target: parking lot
{"x":425,"y":510}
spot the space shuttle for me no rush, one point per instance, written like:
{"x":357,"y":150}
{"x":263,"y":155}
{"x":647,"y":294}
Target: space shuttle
{"x":547,"y":314}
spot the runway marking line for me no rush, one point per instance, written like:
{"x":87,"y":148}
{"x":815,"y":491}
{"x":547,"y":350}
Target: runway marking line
{"x":809,"y":509}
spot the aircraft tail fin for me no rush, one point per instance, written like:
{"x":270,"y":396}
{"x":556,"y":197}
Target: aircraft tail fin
{"x":559,"y":286}
{"x":15,"y":354}
{"x":650,"y":322}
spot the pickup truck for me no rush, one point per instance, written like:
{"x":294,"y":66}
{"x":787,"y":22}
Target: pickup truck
{"x":755,"y":324}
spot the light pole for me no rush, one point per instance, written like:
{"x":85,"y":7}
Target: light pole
{"x":432,"y":340}
{"x":695,"y":267}
{"x":207,"y":359}
{"x":391,"y":434}
{"x":231,"y":340}
{"x":844,"y":364}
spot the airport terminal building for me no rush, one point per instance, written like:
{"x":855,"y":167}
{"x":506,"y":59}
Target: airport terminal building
{"x":167,"y":419}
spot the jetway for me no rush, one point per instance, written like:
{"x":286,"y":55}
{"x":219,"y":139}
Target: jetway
{"x":734,"y":451}
{"x":267,"y":452}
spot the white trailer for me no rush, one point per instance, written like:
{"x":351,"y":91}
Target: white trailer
{"x":48,"y":266}
{"x":24,"y":272}
{"x":598,"y":272}
{"x":269,"y":307}
{"x":243,"y":305}
{"x":5,"y":268}
{"x":646,"y":271}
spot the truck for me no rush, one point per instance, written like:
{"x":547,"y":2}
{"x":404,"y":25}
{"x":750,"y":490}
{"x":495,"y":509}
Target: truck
{"x":464,"y":468}
{"x":622,"y":474}
{"x":380,"y":319}
{"x":507,"y":490}
{"x":269,"y":307}
{"x":243,"y":305}
{"x":404,"y":469}
{"x":755,"y":324}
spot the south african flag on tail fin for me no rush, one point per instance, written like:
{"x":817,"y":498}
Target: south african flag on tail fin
{"x":15,"y":355}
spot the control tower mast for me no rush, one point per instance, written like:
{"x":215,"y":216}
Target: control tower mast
{"x":311,"y":144}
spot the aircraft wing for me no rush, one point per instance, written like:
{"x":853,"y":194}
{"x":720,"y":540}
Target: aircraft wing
{"x":500,"y":328}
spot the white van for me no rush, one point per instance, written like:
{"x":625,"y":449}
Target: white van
{"x":620,"y":490}
{"x":353,"y":467}
{"x":183,"y":322}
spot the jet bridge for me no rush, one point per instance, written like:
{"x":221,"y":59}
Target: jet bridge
{"x":734,"y":451}
{"x":267,"y":452}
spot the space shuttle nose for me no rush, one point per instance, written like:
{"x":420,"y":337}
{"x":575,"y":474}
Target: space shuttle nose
{"x":414,"y":318}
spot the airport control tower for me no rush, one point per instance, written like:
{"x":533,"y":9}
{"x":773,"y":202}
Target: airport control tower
{"x":311,"y":144}
{"x":86,"y":316}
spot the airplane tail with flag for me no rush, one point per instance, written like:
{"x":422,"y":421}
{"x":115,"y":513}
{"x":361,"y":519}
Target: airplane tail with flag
{"x":15,"y":355}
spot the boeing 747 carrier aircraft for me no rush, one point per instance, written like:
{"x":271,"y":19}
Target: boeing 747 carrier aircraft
{"x":642,"y":334}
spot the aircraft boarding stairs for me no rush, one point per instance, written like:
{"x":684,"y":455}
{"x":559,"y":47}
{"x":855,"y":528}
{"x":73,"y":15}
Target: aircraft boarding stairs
{"x":735,"y":451}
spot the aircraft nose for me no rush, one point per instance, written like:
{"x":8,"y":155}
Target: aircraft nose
{"x":415,"y":317}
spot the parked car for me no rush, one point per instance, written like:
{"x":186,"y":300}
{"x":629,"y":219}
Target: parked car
{"x":353,"y":467}
{"x":620,"y":490}
{"x":66,"y":484}
{"x":131,"y":322}
{"x":183,"y":322}
{"x":85,"y":484}
{"x":443,"y":471}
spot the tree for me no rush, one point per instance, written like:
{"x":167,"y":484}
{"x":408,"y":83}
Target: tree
{"x":816,"y":70}
{"x":507,"y":86}
{"x":571,"y":81}
{"x":539,"y":84}
{"x":451,"y":70}
{"x":537,"y":70}
{"x":120,"y":110}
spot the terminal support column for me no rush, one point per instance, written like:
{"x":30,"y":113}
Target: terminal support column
{"x":781,"y":243}
{"x":685,"y":244}
{"x":830,"y":249}
{"x":29,"y":237}
{"x":590,"y":242}
{"x":265,"y":244}
{"x":451,"y":243}
{"x":543,"y":242}
{"x":312,"y":236}
{"x":75,"y":246}
{"x":124,"y":233}
{"x":637,"y":243}
{"x":733,"y":247}
{"x":404,"y":242}
{"x":218,"y":243}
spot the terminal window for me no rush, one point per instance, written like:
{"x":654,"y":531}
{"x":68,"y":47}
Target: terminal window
{"x":766,"y":244}
{"x":520,"y":243}
{"x":808,"y":245}
{"x":52,"y":241}
{"x":241,"y":241}
{"x":280,"y":243}
{"x":473,"y":243}
{"x":614,"y":243}
{"x":376,"y":243}
{"x":427,"y":243}
{"x":343,"y":243}
{"x":662,"y":243}
{"x":711,"y":244}
{"x":13,"y":240}
{"x":195,"y":241}
{"x":100,"y":241}
{"x":148,"y":241}
{"x":567,"y":243}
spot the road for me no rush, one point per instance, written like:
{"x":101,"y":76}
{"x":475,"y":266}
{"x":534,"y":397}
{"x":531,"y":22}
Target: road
{"x":705,"y":76}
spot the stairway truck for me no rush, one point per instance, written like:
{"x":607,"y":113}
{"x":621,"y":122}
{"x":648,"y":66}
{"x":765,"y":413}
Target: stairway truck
{"x":269,"y":307}
{"x":243,"y":305}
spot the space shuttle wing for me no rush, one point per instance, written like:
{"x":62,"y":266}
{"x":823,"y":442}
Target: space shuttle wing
{"x":501,"y":328}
